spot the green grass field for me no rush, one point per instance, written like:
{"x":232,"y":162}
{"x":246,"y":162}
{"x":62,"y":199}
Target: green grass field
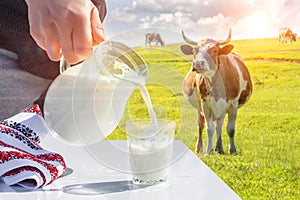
{"x":267,"y":164}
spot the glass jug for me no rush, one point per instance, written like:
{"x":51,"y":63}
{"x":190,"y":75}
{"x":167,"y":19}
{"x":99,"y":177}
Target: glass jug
{"x":85,"y":103}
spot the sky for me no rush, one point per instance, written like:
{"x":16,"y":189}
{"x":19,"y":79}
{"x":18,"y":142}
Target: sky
{"x":248,"y":19}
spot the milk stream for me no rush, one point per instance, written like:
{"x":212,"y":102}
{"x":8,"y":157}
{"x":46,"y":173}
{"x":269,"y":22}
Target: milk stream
{"x":133,"y":77}
{"x":146,"y":97}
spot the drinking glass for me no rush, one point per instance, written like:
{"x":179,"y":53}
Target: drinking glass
{"x":150,"y":149}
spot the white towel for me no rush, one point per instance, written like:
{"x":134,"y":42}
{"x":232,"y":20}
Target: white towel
{"x":22,"y":160}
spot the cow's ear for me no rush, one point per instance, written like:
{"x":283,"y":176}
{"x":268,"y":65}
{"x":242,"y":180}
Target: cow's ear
{"x":186,"y":49}
{"x":225,"y":49}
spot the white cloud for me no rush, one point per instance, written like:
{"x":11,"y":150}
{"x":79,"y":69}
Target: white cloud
{"x":258,"y":25}
{"x":145,"y":22}
{"x":122,"y":15}
{"x":163,"y":6}
{"x":213,"y":18}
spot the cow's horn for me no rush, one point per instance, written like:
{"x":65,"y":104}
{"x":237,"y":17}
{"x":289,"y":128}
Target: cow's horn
{"x":188,"y":40}
{"x":227,"y":39}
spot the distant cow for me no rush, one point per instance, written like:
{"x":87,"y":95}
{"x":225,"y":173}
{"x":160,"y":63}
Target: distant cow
{"x":217,"y":83}
{"x":154,"y":37}
{"x":286,"y":34}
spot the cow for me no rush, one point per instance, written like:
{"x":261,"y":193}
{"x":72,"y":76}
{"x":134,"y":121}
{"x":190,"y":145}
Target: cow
{"x":218,"y":83}
{"x":286,"y":34}
{"x":154,"y":37}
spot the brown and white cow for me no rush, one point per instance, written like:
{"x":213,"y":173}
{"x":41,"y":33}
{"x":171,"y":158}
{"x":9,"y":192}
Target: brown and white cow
{"x":154,"y":37}
{"x":286,"y":34}
{"x":217,"y":83}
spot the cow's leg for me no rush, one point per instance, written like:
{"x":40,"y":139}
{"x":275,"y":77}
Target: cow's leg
{"x":232,"y":114}
{"x":279,"y":40}
{"x":209,"y":128}
{"x":199,"y":145}
{"x":219,"y":145}
{"x":210,"y":133}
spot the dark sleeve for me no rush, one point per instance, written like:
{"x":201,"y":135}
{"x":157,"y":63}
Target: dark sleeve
{"x":15,"y":36}
{"x":101,"y":5}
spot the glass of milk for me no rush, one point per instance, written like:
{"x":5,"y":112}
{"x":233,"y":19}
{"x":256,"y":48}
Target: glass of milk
{"x":150,"y":149}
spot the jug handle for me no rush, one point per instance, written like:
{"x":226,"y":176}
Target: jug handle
{"x":63,"y":65}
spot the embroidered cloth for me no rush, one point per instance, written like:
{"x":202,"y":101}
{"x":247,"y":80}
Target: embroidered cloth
{"x":22,"y":160}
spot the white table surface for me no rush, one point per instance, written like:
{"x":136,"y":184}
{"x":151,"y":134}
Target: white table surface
{"x":105,"y":176}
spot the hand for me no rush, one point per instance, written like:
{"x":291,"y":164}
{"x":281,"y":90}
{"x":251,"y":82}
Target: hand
{"x":68,"y":28}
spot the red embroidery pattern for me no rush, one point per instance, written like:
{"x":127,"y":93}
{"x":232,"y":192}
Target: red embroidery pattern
{"x":34,"y":109}
{"x":48,"y":157}
{"x":53,"y":157}
{"x":26,"y":168}
{"x":20,"y":133}
{"x":12,"y":155}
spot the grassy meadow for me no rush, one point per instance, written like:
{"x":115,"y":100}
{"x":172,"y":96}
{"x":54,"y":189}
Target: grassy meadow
{"x":267,"y":164}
